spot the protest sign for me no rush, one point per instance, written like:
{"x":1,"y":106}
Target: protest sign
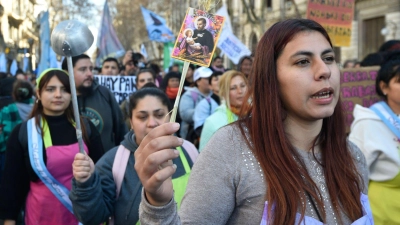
{"x":120,"y":86}
{"x":198,"y":36}
{"x":233,"y":47}
{"x":335,"y":16}
{"x":357,"y":87}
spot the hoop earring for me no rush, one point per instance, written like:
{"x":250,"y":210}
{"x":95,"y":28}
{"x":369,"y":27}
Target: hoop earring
{"x":37,"y":101}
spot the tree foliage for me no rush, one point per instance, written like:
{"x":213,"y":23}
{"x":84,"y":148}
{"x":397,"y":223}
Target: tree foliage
{"x":71,"y":9}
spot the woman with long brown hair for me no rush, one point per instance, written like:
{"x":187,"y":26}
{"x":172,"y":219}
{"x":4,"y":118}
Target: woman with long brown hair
{"x":39,"y":156}
{"x":286,"y":161}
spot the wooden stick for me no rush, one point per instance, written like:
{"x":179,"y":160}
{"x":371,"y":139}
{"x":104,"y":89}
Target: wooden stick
{"x":178,"y":97}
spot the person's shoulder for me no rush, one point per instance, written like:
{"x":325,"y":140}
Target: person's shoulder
{"x":354,"y":150}
{"x":360,"y":163}
{"x":202,"y":103}
{"x":227,"y":140}
{"x":229,"y":133}
{"x":364,"y":118}
{"x":356,"y":154}
{"x":100,"y":88}
{"x":361,"y":112}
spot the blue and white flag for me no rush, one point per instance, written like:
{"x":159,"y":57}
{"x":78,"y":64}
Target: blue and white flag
{"x":13,"y":67}
{"x":156,"y":27}
{"x":223,"y":11}
{"x":108,"y":44}
{"x":3,"y":63}
{"x":229,"y":44}
{"x":233,"y":48}
{"x":44,"y":43}
{"x":143,"y":51}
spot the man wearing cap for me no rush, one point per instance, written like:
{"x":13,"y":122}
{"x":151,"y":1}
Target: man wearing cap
{"x":192,"y":97}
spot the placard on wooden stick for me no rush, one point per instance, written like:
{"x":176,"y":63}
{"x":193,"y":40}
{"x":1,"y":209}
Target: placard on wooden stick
{"x":357,"y":86}
{"x":198,"y":37}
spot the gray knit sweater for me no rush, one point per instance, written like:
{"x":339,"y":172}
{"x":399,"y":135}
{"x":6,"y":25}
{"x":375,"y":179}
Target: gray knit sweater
{"x":226,"y":186}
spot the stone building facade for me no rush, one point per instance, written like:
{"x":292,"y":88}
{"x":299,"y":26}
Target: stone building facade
{"x":19,"y":36}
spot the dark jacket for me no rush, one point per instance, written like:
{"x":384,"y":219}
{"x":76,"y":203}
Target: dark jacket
{"x":94,"y":200}
{"x":103,"y":110}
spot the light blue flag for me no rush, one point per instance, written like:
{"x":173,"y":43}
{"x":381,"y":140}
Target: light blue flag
{"x":13,"y":67}
{"x":108,"y":44}
{"x":156,"y":27}
{"x":143,"y":51}
{"x":44,"y":43}
{"x":3,"y":63}
{"x":25,"y":62}
{"x":53,"y":59}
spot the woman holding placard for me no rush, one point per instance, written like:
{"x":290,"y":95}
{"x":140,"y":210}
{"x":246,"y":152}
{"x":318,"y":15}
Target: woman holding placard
{"x":112,"y":188}
{"x":286,"y":161}
{"x":376,"y":131}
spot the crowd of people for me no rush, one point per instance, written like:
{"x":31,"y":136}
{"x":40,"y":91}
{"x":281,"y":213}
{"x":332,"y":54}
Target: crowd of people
{"x":263,"y":142}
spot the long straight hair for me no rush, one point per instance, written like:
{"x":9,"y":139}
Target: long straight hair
{"x":37,"y":111}
{"x":278,"y":158}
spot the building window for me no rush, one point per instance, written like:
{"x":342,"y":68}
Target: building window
{"x":254,"y":42}
{"x":269,"y":3}
{"x":372,"y":37}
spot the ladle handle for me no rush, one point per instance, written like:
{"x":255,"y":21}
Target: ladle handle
{"x":75,"y":104}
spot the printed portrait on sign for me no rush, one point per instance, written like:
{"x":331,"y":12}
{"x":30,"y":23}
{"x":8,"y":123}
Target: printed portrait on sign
{"x":198,"y":37}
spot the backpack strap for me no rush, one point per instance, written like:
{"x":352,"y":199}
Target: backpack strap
{"x":118,"y":171}
{"x":208,"y":99}
{"x":194,"y":96}
{"x":119,"y":167}
{"x":191,"y":150}
{"x":23,"y":135}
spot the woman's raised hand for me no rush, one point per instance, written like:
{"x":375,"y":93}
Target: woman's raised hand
{"x":153,"y":163}
{"x":82,"y":167}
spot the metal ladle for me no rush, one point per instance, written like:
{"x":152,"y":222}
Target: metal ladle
{"x":71,"y":38}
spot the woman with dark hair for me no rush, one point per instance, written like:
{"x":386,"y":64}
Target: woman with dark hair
{"x":22,"y":95}
{"x":376,"y":132}
{"x":245,"y":64}
{"x":113,"y":188}
{"x":143,"y":77}
{"x":285,"y":161}
{"x":170,"y":85}
{"x":40,"y":152}
{"x":159,"y":75}
{"x":14,"y":113}
{"x":189,"y":76}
